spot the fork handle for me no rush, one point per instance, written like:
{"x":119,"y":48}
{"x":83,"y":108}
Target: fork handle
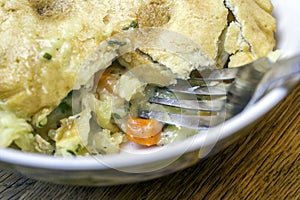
{"x":242,"y":89}
{"x":284,"y":73}
{"x":258,"y":78}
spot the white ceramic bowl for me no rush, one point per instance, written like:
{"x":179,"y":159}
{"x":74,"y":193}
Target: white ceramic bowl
{"x":135,"y":164}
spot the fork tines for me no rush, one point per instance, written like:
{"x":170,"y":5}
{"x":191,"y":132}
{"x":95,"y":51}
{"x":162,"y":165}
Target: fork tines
{"x":200,"y":105}
{"x":188,"y":121}
{"x":204,"y":94}
{"x":229,"y":90}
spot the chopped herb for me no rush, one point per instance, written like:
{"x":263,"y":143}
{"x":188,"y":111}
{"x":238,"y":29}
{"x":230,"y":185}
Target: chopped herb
{"x":64,"y":107}
{"x":78,"y":148}
{"x":47,"y":56}
{"x":42,"y":123}
{"x":115,"y":42}
{"x":71,"y":152}
{"x":132,"y":25}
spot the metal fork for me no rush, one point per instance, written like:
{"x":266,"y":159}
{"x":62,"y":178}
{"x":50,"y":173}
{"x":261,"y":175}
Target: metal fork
{"x":214,"y":95}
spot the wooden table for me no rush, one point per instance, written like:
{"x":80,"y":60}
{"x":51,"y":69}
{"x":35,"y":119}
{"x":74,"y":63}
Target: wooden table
{"x":263,"y":165}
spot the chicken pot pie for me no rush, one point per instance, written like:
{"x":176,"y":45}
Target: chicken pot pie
{"x":46,"y":44}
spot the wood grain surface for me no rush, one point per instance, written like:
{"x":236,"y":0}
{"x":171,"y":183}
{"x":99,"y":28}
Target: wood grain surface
{"x":263,"y":165}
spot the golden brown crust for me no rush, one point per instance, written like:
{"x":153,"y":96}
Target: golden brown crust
{"x":47,"y":41}
{"x":155,"y":13}
{"x":51,"y":8}
{"x":257,"y":27}
{"x":29,"y":82}
{"x":203,"y":21}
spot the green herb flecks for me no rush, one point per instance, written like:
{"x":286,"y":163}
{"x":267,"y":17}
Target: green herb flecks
{"x":63,"y":110}
{"x":47,"y":56}
{"x":66,"y":104}
{"x":132,"y":25}
{"x":78,"y":148}
{"x":64,"y":107}
{"x":71,"y":152}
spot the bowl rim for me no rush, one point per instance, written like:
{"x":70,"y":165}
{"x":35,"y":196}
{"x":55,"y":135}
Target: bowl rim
{"x":194,"y":143}
{"x":284,"y":11}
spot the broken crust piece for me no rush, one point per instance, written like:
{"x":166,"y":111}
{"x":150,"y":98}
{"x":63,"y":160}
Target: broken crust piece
{"x":251,"y":35}
{"x":172,"y":54}
{"x":202,"y":22}
{"x":236,"y":46}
